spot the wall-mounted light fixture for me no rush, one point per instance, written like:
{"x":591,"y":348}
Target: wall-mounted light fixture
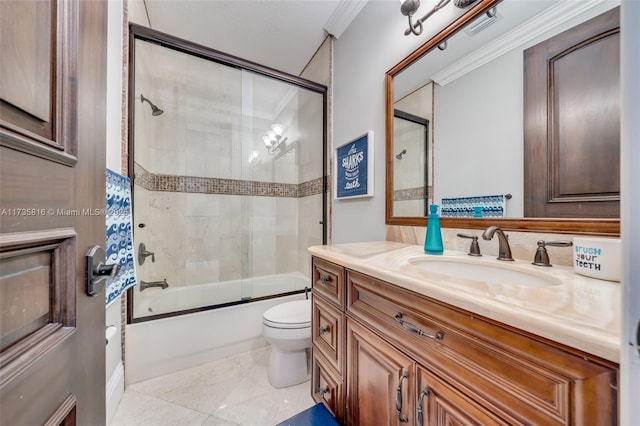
{"x":273,"y":140}
{"x":410,"y":7}
{"x":254,"y":158}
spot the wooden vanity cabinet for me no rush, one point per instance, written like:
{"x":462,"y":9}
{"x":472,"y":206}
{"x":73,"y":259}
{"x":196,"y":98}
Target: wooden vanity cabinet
{"x":384,"y":355}
{"x":470,"y":370}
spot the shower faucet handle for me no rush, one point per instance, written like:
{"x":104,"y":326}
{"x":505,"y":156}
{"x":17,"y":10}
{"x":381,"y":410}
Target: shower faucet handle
{"x":143,"y":254}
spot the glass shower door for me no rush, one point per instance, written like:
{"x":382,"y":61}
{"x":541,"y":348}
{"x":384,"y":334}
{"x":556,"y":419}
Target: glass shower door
{"x":228,"y":181}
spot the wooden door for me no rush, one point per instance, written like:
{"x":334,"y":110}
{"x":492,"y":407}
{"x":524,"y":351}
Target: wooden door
{"x":52,"y":200}
{"x":572,"y":122}
{"x":380,"y":382}
{"x":440,"y":404}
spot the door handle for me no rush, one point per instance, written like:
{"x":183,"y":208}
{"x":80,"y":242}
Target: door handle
{"x":97,"y":271}
{"x":401,"y":418}
{"x":638,"y":338}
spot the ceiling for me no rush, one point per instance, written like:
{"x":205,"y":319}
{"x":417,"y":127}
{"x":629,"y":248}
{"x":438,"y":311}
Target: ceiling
{"x":281,"y":34}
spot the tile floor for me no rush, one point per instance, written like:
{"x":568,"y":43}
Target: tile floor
{"x":228,"y":392}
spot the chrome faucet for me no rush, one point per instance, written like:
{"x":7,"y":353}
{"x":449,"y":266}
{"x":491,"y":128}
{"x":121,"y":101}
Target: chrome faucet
{"x":504,"y":251}
{"x":145,"y":284}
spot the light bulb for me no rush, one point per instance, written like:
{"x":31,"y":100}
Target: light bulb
{"x":277,"y":129}
{"x":272,"y":135}
{"x":267,"y":141}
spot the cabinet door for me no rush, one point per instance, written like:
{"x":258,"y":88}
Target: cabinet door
{"x":440,"y":404}
{"x":380,"y":382}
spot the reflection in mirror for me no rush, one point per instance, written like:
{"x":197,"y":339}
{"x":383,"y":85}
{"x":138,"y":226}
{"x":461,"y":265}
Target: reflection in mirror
{"x":478,"y":107}
{"x":412,"y":118}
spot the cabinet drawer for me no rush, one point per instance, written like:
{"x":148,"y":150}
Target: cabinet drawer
{"x":327,"y":332}
{"x":327,"y":387}
{"x":525,"y":380}
{"x":328,"y":281}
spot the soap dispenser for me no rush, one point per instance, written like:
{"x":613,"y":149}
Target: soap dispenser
{"x":433,"y":240}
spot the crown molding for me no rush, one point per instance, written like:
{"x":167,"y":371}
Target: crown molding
{"x":518,"y":36}
{"x":343,"y":15}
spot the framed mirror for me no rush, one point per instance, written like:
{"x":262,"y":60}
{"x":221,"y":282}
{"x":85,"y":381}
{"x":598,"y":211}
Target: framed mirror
{"x":474,"y":71}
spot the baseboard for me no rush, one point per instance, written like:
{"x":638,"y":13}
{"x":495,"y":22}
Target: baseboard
{"x":114,"y":391}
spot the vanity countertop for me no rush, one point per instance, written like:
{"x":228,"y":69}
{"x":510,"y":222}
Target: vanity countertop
{"x":580,"y":312}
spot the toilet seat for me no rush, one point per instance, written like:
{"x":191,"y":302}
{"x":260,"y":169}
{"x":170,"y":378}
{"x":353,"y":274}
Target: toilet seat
{"x":295,"y":314}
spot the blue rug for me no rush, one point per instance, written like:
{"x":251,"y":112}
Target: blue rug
{"x":318,"y":415}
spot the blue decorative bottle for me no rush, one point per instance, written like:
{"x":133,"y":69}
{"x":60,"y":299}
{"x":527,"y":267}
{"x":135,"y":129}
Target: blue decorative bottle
{"x":433,"y":240}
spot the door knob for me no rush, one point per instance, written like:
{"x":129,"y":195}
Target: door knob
{"x":97,"y":271}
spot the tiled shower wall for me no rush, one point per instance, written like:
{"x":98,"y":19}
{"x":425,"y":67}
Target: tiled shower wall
{"x":201,"y":237}
{"x":207,"y":213}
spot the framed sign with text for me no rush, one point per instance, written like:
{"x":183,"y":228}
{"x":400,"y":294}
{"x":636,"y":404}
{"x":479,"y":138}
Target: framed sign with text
{"x":353,"y":168}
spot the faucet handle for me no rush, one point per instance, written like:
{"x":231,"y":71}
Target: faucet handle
{"x":542,"y":257}
{"x":474,"y":248}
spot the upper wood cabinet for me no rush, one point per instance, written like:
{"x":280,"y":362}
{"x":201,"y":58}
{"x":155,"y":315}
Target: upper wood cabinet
{"x":572,"y":122}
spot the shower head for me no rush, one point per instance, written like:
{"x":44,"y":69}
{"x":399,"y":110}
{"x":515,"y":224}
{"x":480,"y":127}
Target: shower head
{"x":399,"y":156}
{"x":155,"y":111}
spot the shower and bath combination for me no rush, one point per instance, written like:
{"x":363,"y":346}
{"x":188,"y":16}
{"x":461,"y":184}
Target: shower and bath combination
{"x":155,"y":111}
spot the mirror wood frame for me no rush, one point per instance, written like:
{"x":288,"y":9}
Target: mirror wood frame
{"x":588,"y":226}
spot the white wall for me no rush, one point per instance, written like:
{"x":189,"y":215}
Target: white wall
{"x":137,"y":12}
{"x":371,"y":45}
{"x":630,"y":211}
{"x":114,"y":369}
{"x":469,"y":114}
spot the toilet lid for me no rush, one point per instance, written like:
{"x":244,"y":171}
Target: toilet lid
{"x":289,"y":315}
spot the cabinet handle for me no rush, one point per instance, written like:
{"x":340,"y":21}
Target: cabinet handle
{"x":403,"y":419}
{"x":325,"y":279}
{"x":425,"y":392}
{"x":324,"y":330}
{"x":438,"y":336}
{"x":323,"y":391}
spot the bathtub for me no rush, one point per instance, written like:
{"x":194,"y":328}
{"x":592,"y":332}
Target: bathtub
{"x":162,"y":346}
{"x":157,"y":301}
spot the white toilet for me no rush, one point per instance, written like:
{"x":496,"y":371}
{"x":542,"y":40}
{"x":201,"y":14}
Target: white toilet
{"x":288,"y":328}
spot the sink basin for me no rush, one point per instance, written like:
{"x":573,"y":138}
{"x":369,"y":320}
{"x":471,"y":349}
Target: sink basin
{"x":467,"y":269}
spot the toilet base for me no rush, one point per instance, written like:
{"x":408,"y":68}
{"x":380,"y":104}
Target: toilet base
{"x":288,"y":368}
